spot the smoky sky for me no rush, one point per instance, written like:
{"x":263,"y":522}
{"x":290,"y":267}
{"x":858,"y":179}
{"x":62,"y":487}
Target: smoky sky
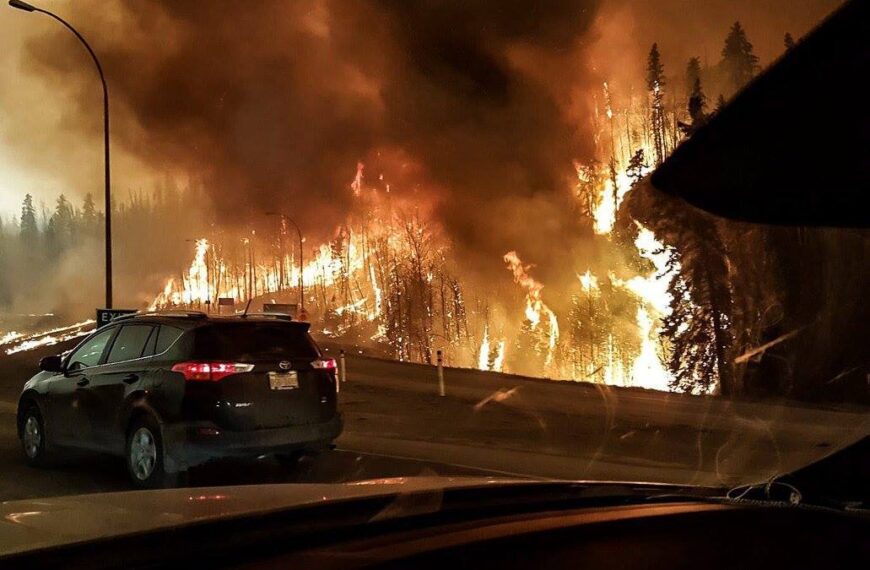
{"x":272,"y":104}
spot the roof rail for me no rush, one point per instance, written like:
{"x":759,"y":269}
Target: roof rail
{"x":280,"y":316}
{"x":174,"y":314}
{"x":276,"y":316}
{"x":124,"y":317}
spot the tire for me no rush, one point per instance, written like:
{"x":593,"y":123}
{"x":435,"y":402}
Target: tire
{"x":143,"y":455}
{"x":34,"y":444}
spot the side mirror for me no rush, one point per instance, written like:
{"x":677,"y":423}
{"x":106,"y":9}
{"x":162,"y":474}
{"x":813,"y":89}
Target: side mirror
{"x":51,"y":364}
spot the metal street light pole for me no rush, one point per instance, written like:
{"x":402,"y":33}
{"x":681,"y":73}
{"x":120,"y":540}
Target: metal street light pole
{"x":301,"y":260}
{"x":108,"y":198}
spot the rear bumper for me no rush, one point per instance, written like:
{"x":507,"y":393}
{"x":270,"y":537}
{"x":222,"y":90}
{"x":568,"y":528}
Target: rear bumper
{"x":192,"y":443}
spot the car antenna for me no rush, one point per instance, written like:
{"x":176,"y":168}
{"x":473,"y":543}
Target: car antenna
{"x":248,"y":306}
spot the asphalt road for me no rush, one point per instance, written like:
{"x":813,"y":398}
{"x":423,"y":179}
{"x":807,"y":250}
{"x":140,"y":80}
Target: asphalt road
{"x":398,"y":425}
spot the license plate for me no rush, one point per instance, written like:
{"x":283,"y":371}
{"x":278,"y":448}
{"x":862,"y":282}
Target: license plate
{"x":283,"y":380}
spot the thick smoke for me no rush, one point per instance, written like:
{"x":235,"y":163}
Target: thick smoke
{"x":271,"y":104}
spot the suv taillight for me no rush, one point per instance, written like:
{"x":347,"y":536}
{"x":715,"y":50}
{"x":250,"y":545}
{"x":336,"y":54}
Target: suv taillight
{"x":325,"y":364}
{"x":210,"y":371}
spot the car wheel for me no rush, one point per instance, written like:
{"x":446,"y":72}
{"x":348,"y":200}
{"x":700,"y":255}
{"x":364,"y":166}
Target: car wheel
{"x":144,"y":454}
{"x":33,"y":438}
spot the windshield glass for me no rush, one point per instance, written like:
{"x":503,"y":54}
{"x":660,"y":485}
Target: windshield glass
{"x":463,"y":202}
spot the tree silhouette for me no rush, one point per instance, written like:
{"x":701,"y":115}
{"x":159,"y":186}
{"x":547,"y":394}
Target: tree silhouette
{"x":693,"y":73}
{"x":655,"y":83}
{"x":636,"y":166}
{"x":28,"y":230}
{"x":696,"y":108}
{"x":738,"y":59}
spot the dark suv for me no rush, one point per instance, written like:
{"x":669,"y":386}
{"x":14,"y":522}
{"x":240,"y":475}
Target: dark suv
{"x":169,"y":391}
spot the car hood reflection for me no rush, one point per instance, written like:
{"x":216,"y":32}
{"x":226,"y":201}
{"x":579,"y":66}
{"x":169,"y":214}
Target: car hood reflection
{"x":42,"y":523}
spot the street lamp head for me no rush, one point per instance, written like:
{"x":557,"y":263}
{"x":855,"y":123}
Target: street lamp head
{"x":22,"y":5}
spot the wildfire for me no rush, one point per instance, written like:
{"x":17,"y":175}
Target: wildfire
{"x":20,"y":342}
{"x":490,"y":357}
{"x":357,"y":183}
{"x":535,"y":307}
{"x":483,"y":358}
{"x":383,"y":279}
{"x":648,"y":370}
{"x":588,"y":281}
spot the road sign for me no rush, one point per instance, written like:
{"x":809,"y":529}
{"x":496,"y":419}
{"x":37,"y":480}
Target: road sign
{"x":283,"y":308}
{"x":225,"y":302}
{"x":105,"y":316}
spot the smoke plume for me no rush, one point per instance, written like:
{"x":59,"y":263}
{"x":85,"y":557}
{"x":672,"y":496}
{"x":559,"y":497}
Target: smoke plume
{"x":477,"y":109}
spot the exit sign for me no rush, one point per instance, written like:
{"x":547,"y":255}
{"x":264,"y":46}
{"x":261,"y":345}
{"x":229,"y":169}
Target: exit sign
{"x":105,"y":316}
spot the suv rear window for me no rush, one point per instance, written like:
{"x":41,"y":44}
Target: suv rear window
{"x":254,"y":341}
{"x":130,"y":343}
{"x":166,"y":337}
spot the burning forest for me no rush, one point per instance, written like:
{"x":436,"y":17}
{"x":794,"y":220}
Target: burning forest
{"x":388,"y":278}
{"x":493,"y":206}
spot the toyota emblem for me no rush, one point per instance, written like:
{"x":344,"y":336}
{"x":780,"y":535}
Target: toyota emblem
{"x":284,"y":365}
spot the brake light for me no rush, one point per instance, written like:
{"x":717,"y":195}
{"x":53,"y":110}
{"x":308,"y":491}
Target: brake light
{"x":325,"y":364}
{"x":210,"y":371}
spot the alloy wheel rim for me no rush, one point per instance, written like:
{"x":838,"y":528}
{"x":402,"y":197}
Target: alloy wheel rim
{"x":32,"y":437}
{"x":143,"y":453}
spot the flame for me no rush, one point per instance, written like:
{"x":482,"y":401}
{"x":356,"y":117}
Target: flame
{"x":653,"y":288}
{"x":9,"y":337}
{"x":378,"y":294}
{"x":588,"y":281}
{"x":498,"y":362}
{"x":349,"y":286}
{"x":47,"y":337}
{"x":604,"y":214}
{"x":535,"y":307}
{"x":647,"y":371}
{"x":483,"y":358}
{"x":195,"y":282}
{"x":489,"y":352}
{"x":355,"y":307}
{"x":356,"y":185}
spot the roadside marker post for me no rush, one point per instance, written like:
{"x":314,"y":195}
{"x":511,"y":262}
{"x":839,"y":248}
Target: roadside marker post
{"x":440,"y":360}
{"x":342,"y":371}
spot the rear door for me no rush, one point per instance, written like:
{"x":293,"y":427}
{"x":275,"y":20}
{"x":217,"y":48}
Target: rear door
{"x":283,"y":389}
{"x":125,"y":367}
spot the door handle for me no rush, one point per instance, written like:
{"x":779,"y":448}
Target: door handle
{"x":83,"y":382}
{"x":131,"y":378}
